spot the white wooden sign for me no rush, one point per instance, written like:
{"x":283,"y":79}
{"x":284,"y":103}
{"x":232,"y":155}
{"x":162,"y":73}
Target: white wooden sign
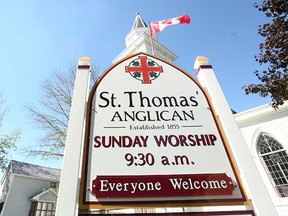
{"x":152,"y":137}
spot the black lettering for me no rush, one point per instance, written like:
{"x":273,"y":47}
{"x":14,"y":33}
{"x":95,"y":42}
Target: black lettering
{"x":116,"y":115}
{"x":105,"y":99}
{"x":142,"y":98}
{"x":194,"y":101}
{"x":130,"y":98}
{"x":170,"y":102}
{"x":184,"y":101}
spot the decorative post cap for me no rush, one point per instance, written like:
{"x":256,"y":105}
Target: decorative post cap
{"x":84,"y":61}
{"x":200,"y":60}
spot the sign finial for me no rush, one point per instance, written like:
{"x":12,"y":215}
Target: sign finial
{"x":200,"y":60}
{"x":84,"y":61}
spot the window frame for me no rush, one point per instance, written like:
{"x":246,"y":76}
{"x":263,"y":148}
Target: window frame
{"x":37,"y":208}
{"x":274,"y":170}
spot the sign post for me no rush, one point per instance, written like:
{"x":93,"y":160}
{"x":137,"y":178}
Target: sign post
{"x":260,"y":197}
{"x":69,"y":183}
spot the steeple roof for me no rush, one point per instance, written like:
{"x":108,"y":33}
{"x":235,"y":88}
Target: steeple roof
{"x":138,"y":22}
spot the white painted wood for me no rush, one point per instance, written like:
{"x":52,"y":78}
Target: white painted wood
{"x":261,"y":200}
{"x":21,"y":190}
{"x":265,"y":119}
{"x":67,"y":203}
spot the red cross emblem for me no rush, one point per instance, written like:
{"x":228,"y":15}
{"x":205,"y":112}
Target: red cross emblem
{"x":144,"y":69}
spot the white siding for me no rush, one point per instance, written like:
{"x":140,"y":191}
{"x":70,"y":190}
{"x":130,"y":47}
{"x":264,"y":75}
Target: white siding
{"x":22,"y":189}
{"x":274,"y":123}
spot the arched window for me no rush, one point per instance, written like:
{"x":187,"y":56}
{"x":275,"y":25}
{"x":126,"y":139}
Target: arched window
{"x":275,"y":158}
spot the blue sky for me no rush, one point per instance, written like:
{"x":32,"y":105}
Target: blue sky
{"x":40,"y":36}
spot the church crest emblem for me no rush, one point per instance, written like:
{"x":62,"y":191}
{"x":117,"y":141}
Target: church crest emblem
{"x":144,"y":69}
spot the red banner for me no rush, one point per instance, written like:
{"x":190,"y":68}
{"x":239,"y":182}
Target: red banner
{"x":215,"y":184}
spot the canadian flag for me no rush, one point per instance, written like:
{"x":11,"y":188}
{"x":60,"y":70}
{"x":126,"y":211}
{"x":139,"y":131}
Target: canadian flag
{"x":160,"y":25}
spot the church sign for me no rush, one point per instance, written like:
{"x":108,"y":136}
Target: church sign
{"x":152,"y":136}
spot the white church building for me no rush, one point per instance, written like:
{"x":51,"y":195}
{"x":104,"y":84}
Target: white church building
{"x":265,"y":131}
{"x":28,"y":190}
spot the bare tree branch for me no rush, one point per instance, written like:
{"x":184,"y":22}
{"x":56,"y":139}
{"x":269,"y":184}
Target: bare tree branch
{"x":52,"y":114}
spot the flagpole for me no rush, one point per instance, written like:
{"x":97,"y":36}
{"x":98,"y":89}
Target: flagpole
{"x":151,"y":42}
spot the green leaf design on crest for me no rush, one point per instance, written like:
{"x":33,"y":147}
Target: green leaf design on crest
{"x":135,"y":63}
{"x":151,"y":63}
{"x":137,"y":74}
{"x":153,"y":74}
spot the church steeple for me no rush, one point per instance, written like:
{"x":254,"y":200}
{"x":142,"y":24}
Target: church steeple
{"x":138,"y":23}
{"x":138,"y":40}
{"x":138,"y":28}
